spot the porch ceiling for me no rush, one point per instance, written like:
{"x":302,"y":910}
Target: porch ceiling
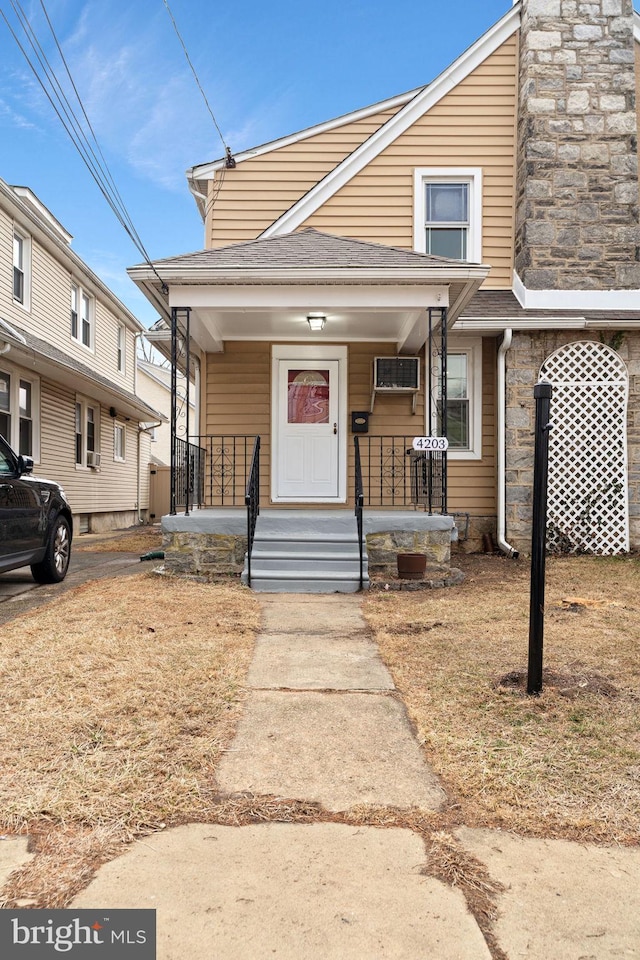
{"x":389,"y":314}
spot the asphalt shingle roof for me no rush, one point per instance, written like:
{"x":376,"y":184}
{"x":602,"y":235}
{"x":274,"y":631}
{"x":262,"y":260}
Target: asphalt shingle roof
{"x":503,"y":304}
{"x":306,"y":248}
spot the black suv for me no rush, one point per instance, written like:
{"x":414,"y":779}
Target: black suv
{"x":35,"y":520}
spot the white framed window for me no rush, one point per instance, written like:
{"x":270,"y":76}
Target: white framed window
{"x":119,"y":438}
{"x":121,"y":348}
{"x":447,"y":212}
{"x":87,"y":433}
{"x":82,"y":316}
{"x":464,"y":399}
{"x":21,"y":269}
{"x":20,"y":412}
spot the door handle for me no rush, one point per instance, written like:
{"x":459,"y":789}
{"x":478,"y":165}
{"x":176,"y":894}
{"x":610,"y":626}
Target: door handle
{"x":335,"y":428}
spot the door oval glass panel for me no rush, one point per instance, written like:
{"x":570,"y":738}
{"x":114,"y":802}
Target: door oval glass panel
{"x":308,"y":396}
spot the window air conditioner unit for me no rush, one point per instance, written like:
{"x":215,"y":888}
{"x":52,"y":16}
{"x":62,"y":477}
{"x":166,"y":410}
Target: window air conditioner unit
{"x":93,"y":459}
{"x":396,"y":375}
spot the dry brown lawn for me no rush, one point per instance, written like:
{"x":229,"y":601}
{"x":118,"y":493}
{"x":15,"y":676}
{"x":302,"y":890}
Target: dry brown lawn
{"x":134,"y":540}
{"x":118,"y":699}
{"x":564,"y":764}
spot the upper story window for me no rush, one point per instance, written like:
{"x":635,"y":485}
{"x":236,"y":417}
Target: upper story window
{"x":19,"y":413}
{"x":82,"y":312}
{"x":121,"y":348}
{"x":21,"y":269}
{"x":448,"y":212}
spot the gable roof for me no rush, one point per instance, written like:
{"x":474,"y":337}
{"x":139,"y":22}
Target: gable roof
{"x":304,"y":254}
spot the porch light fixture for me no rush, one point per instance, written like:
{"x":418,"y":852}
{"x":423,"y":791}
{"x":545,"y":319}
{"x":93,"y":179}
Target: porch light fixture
{"x":316,"y":321}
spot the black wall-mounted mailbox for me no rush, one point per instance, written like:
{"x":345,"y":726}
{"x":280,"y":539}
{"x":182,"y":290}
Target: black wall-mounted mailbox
{"x":359,"y":421}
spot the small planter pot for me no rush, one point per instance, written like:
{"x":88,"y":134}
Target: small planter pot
{"x":412,"y":566}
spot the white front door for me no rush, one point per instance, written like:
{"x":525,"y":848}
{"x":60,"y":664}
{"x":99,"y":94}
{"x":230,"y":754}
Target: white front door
{"x":308,"y":429}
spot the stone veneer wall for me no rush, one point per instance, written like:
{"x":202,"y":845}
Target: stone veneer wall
{"x":524,"y":360}
{"x":577,"y":186}
{"x":204,"y":554}
{"x":215,"y":554}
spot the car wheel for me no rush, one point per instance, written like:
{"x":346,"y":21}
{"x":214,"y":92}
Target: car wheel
{"x":55,"y":563}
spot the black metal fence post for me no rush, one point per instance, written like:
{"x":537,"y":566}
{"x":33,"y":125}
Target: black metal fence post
{"x":542,"y":395}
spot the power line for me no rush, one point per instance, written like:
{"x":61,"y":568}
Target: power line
{"x":53,"y":90}
{"x":230,"y":162}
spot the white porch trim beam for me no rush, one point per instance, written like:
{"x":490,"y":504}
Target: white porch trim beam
{"x":305,"y":297}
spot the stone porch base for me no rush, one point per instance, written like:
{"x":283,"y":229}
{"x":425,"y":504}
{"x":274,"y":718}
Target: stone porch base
{"x":214,"y":542}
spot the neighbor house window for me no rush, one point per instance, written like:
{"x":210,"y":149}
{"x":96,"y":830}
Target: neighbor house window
{"x":82,"y":311}
{"x":21,"y":273}
{"x":25,"y":410}
{"x":74,"y":311}
{"x":87,"y":433}
{"x":464,"y":400}
{"x":120,"y":348}
{"x":19,"y":412}
{"x":118,"y":441}
{"x":448,"y":212}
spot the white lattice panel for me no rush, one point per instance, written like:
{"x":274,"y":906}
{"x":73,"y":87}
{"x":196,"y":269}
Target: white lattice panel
{"x":587,"y":506}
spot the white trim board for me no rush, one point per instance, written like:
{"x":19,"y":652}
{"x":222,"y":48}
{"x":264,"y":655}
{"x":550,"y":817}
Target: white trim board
{"x":205,"y":171}
{"x":397,"y":125}
{"x":575,"y":299}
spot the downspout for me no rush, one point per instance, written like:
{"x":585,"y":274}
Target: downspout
{"x":5,"y":349}
{"x":502,"y":444}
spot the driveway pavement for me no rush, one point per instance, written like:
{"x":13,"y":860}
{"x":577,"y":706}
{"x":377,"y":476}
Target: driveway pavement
{"x":19,"y":592}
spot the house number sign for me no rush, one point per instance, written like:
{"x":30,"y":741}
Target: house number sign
{"x":430,"y":443}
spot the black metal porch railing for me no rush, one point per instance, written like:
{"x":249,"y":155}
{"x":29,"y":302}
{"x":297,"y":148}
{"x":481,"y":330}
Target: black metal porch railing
{"x":359,"y":502}
{"x":252,"y":502}
{"x":188,"y":482}
{"x":214,"y":471}
{"x":228,"y":464}
{"x":395,"y":475}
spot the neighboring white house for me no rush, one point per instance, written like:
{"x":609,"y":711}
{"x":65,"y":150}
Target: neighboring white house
{"x":154,"y":387}
{"x":68,"y":368}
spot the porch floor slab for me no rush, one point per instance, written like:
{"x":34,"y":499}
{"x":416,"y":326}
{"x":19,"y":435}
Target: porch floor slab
{"x":304,"y":523}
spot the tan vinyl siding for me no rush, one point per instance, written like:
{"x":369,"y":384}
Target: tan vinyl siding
{"x":245,"y":201}
{"x":472,"y":483}
{"x":238,"y":402}
{"x":473,"y":126}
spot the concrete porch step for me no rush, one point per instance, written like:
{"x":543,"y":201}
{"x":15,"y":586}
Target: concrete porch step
{"x":288,"y":561}
{"x":316,"y":562}
{"x":288,"y":581}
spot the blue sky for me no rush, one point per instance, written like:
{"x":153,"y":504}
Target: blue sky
{"x":268,"y":69}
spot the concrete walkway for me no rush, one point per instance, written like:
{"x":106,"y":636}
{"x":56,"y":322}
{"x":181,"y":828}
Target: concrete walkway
{"x":323,"y":723}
